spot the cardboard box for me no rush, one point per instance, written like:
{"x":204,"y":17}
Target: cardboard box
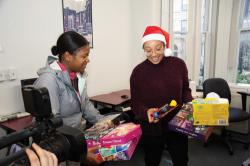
{"x":117,"y":144}
{"x":121,"y":134}
{"x":119,"y":152}
{"x":183,"y":123}
{"x":211,"y":112}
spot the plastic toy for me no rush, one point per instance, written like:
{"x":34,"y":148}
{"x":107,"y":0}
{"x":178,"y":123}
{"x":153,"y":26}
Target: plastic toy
{"x":165,"y":108}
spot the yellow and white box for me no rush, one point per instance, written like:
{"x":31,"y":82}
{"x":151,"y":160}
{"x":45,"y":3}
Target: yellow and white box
{"x":211,"y":111}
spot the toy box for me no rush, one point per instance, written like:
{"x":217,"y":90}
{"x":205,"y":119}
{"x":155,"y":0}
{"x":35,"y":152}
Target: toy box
{"x":117,"y":143}
{"x":183,"y":123}
{"x":211,"y":112}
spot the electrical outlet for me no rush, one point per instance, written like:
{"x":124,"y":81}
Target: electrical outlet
{"x":12,"y":74}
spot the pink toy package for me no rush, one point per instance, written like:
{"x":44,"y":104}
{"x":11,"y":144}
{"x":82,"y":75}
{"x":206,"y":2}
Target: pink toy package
{"x":119,"y":152}
{"x":118,"y":144}
{"x":121,"y":134}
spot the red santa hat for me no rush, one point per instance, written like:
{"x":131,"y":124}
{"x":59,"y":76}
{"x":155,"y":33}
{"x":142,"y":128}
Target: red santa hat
{"x":156,"y":33}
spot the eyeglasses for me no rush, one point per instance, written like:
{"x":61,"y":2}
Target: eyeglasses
{"x":158,"y":51}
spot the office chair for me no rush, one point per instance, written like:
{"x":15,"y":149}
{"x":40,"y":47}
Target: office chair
{"x":220,"y":86}
{"x":29,"y":81}
{"x":26,"y":82}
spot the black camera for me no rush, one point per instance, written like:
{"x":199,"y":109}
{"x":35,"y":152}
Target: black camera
{"x":48,"y":131}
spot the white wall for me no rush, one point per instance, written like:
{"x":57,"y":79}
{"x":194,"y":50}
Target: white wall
{"x":28,"y":30}
{"x":30,"y":27}
{"x":143,"y":13}
{"x":109,"y":67}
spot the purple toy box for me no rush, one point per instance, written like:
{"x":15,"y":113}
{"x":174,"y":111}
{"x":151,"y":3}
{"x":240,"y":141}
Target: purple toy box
{"x":183,"y":123}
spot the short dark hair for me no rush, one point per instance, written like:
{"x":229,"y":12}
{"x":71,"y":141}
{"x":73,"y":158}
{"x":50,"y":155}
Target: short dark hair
{"x":68,"y":41}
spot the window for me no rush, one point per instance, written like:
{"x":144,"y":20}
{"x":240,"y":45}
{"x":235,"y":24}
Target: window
{"x":180,"y":28}
{"x":184,"y":5}
{"x":246,"y":16}
{"x":189,"y":24}
{"x":243,"y":69}
{"x":183,"y":25}
{"x":204,"y":41}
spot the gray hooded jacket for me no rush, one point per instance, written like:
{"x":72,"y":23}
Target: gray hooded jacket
{"x":65,"y":101}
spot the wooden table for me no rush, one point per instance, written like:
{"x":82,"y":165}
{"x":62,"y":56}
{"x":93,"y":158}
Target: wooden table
{"x":16,"y":124}
{"x":112,"y":99}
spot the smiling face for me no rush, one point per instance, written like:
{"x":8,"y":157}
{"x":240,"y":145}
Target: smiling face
{"x":78,"y":61}
{"x":154,"y":50}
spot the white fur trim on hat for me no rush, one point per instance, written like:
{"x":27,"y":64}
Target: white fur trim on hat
{"x":155,"y":36}
{"x":168,"y":52}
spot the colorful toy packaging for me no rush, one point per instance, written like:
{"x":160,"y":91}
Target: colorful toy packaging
{"x":211,"y":111}
{"x":116,"y":143}
{"x":183,"y":123}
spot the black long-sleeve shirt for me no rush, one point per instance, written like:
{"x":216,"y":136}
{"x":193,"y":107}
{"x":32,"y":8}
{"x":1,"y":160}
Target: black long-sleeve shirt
{"x":152,"y":86}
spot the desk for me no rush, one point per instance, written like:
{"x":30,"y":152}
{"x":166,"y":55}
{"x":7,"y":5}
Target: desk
{"x":16,"y":124}
{"x":112,"y":99}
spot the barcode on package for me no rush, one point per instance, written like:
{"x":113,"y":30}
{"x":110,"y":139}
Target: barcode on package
{"x":222,"y":122}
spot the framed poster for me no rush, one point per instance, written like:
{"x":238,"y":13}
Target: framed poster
{"x":77,"y":16}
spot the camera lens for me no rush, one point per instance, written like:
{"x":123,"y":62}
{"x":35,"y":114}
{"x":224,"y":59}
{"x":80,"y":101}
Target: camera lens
{"x":57,"y":144}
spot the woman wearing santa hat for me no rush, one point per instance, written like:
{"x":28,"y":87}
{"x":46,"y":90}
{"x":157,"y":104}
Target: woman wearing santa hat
{"x":153,"y":83}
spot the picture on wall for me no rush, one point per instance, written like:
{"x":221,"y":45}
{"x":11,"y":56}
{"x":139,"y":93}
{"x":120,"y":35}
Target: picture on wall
{"x":77,"y":16}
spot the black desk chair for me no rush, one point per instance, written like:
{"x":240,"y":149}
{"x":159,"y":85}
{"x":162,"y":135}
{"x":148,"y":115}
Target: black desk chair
{"x":29,"y":81}
{"x":220,"y":86}
{"x":26,"y":82}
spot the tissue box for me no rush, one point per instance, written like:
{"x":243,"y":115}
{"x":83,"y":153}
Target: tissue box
{"x":211,"y":112}
{"x":118,"y":144}
{"x":183,"y":123}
